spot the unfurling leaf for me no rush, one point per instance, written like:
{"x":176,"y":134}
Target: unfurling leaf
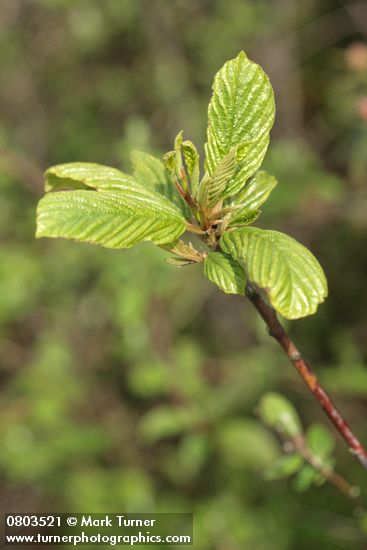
{"x":114,"y":218}
{"x":212,"y":188}
{"x":183,"y":166}
{"x":277,"y":412}
{"x":191,"y":158}
{"x":240,"y":114}
{"x":225,"y":272}
{"x":292,"y":277}
{"x":173,"y":161}
{"x":179,"y":262}
{"x":186,"y":253}
{"x":169,"y":162}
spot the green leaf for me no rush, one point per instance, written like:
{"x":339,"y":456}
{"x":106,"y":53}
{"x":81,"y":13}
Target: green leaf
{"x":151,"y":174}
{"x":320,"y":440}
{"x":277,"y":412}
{"x":115,"y":218}
{"x":225,"y":272}
{"x":256,"y":191}
{"x":285,"y":466}
{"x":241,"y":113}
{"x":292,"y":277}
{"x":85,"y":175}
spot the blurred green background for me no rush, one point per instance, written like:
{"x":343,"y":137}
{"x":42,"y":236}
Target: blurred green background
{"x":128,"y":384}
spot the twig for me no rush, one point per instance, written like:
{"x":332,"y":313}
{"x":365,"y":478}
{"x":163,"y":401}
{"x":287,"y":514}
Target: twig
{"x":325,"y":470}
{"x":277,"y":331}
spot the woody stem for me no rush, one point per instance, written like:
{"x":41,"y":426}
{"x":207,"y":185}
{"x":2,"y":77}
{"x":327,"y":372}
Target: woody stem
{"x":277,"y":331}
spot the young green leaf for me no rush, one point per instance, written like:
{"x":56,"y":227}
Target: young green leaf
{"x":113,"y":218}
{"x":256,"y":191}
{"x":240,"y":114}
{"x":173,"y":159}
{"x":86,"y":175}
{"x":290,"y":274}
{"x":169,"y":161}
{"x":225,"y":272}
{"x":179,"y":167}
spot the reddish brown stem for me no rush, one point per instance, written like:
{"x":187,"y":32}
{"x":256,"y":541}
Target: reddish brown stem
{"x":277,"y":331}
{"x":186,"y":197}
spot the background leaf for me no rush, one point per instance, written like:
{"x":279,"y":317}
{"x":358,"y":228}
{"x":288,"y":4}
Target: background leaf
{"x":245,"y":443}
{"x":284,"y":466}
{"x":292,"y":277}
{"x":305,"y":478}
{"x":320,"y":440}
{"x":164,"y":421}
{"x":110,"y":218}
{"x":277,"y":412}
{"x":240,"y":113}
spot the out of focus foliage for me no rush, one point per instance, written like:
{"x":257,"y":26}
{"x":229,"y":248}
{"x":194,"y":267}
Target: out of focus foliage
{"x":128,"y":385}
